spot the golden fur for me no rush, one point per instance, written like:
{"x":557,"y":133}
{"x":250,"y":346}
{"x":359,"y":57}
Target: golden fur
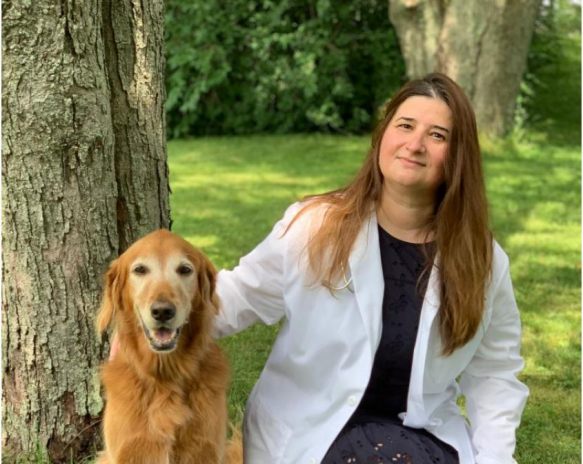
{"x":166,"y":401}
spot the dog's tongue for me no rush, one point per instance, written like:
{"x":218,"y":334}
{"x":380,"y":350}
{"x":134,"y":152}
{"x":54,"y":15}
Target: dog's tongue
{"x":164,"y":335}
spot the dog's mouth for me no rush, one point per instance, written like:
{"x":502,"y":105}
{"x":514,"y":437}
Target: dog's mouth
{"x":162,"y":339}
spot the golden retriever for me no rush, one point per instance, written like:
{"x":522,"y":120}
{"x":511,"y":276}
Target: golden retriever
{"x":166,"y":386}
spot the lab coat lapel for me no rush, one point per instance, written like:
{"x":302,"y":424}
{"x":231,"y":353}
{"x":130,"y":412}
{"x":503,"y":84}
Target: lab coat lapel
{"x":416,"y":415}
{"x":432,"y":299}
{"x":367,"y":279}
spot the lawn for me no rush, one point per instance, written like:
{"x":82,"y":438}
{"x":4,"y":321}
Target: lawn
{"x":228,"y":193}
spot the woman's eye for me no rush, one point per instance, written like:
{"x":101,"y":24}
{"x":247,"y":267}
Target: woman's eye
{"x":405,"y":126}
{"x":439,"y":136}
{"x":140,"y":270}
{"x":184,"y":270}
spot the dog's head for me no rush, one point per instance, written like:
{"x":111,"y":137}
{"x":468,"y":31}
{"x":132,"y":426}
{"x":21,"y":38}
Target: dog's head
{"x":158,"y":283}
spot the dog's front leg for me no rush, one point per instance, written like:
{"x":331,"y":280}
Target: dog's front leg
{"x":197,"y":452}
{"x":143,"y":450}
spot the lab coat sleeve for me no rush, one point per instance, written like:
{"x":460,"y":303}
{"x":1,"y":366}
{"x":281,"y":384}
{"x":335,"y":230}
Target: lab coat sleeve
{"x":253,"y":291}
{"x":495,"y":398}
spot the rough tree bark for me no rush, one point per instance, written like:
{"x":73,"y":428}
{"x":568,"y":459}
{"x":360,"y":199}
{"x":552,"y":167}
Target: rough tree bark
{"x":84,"y":174}
{"x":483,"y":45}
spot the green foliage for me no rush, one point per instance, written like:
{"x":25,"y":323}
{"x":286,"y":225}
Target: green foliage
{"x":288,"y":66}
{"x":553,"y":69}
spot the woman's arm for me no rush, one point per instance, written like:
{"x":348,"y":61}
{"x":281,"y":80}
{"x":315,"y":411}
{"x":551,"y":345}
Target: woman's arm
{"x":253,"y":291}
{"x":494,"y":396}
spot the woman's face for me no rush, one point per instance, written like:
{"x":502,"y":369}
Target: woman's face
{"x":414,"y":145}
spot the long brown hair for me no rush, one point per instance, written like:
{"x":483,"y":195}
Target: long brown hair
{"x":463,"y":241}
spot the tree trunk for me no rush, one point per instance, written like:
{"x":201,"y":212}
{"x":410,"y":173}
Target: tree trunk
{"x":84,"y":174}
{"x":482,"y":45}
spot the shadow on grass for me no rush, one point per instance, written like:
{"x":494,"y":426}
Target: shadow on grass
{"x":517,"y":183}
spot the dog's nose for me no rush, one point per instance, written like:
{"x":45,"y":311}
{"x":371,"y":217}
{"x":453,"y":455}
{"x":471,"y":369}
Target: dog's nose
{"x":163,"y":311}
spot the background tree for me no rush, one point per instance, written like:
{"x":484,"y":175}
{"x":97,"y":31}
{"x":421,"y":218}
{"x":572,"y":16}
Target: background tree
{"x":483,"y":45}
{"x":84,"y":174}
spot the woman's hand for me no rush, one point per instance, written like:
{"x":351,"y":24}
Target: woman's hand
{"x":114,"y":348}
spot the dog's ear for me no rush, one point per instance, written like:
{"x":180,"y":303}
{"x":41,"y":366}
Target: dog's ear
{"x":207,"y":279}
{"x":112,"y":296}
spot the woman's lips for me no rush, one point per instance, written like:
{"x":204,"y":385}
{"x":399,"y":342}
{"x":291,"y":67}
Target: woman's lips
{"x":408,"y":162}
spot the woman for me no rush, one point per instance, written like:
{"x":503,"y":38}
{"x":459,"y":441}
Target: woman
{"x":389,"y":289}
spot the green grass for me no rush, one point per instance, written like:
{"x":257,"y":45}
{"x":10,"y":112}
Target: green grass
{"x":228,"y":192}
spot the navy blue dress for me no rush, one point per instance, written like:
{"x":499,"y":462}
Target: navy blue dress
{"x":374,"y":433}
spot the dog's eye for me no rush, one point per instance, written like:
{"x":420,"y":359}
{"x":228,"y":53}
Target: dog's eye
{"x":140,"y":269}
{"x":184,"y":270}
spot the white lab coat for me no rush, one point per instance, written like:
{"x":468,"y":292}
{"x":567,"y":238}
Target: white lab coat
{"x":321,"y":361}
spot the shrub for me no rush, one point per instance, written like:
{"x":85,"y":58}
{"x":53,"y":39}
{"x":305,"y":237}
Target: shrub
{"x":278,"y":67}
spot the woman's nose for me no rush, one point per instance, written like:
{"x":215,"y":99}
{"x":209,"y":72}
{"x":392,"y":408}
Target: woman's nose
{"x":416,"y":143}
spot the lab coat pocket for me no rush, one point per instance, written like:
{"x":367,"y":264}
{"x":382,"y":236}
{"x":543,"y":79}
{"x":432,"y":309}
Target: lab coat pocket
{"x":265,"y":437}
{"x":444,"y":369}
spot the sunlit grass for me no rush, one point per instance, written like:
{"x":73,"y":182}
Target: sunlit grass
{"x":534,"y":188}
{"x":229,"y":192}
